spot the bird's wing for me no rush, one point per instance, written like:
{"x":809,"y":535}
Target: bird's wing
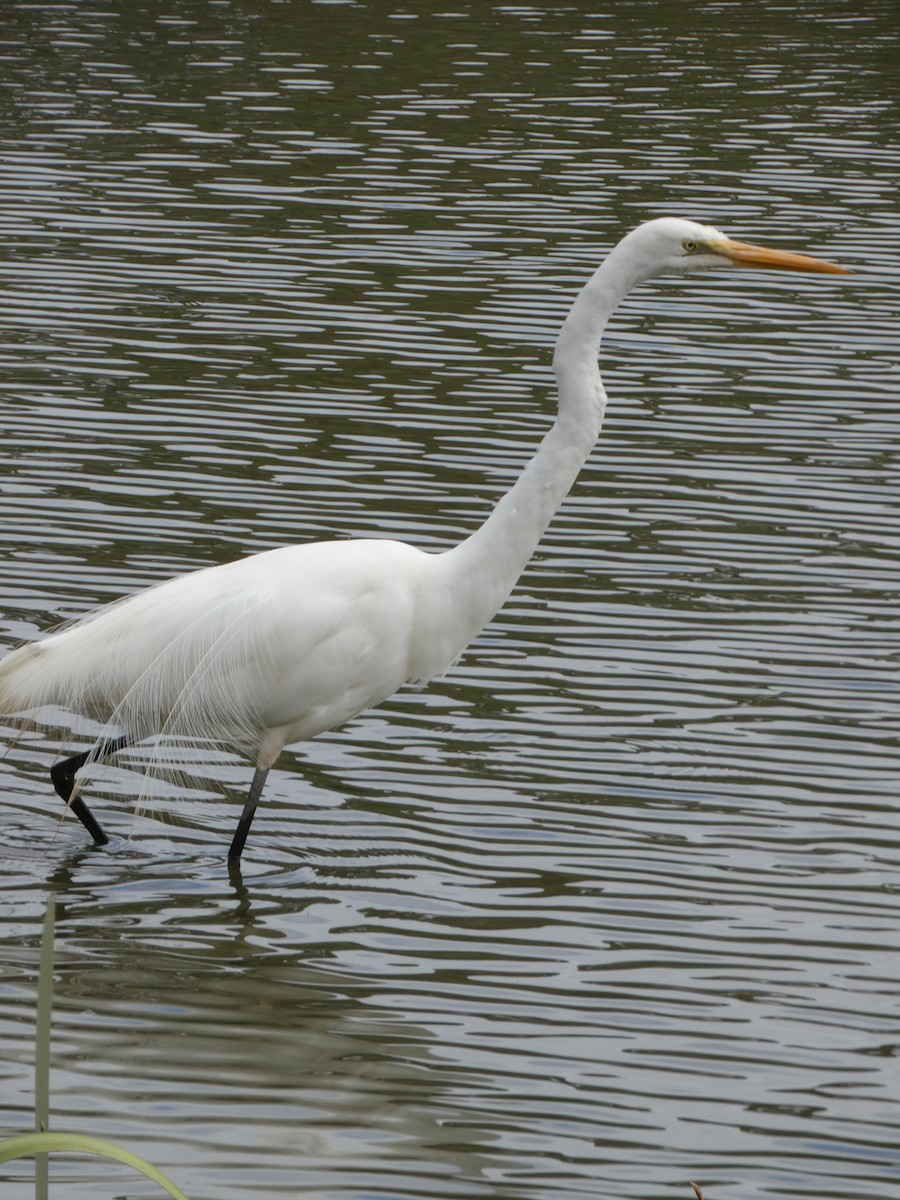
{"x":298,"y":640}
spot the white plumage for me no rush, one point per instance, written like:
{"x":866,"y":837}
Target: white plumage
{"x":270,"y":650}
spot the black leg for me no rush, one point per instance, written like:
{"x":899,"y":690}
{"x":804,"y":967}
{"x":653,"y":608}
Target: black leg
{"x":63,"y":776}
{"x":240,"y":835}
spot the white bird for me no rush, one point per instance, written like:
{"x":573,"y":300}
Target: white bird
{"x":272,"y":649}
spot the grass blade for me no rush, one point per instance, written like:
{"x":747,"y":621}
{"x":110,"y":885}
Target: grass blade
{"x":31,"y":1145}
{"x":42,"y":1045}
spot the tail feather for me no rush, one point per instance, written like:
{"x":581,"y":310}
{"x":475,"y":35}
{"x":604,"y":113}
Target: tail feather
{"x":151,"y":668}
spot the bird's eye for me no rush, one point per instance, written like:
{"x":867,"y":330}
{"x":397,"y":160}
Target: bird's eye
{"x":690,"y":246}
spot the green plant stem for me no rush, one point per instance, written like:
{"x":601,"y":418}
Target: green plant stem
{"x":42,"y":1046}
{"x":31,"y":1145}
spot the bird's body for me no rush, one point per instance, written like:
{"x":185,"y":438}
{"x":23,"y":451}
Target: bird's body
{"x":272,"y":649}
{"x":301,"y":659}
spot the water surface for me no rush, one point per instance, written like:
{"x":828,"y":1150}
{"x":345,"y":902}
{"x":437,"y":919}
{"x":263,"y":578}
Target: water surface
{"x":613,"y":905}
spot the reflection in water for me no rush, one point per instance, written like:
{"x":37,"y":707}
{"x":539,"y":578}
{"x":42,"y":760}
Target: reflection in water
{"x":614,"y":905}
{"x":211,"y":997}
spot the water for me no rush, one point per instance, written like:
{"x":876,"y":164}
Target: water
{"x":614,"y":905}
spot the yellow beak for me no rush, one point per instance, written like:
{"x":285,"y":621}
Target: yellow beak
{"x":745,"y":254}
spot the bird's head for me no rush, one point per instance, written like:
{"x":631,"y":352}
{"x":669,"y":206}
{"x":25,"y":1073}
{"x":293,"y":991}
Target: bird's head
{"x":671,"y":245}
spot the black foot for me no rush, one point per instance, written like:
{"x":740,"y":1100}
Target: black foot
{"x":63,"y":776}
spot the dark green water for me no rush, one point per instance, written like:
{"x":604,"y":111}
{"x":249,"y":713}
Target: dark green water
{"x":613,"y":905}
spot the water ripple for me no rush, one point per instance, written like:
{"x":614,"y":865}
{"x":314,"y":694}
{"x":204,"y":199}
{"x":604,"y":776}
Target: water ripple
{"x":613,"y":905}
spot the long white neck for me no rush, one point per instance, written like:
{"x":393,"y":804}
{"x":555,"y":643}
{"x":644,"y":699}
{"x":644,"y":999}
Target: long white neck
{"x":479,"y":573}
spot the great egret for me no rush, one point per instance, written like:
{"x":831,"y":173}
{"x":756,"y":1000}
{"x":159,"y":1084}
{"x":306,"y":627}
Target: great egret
{"x":275,"y":648}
